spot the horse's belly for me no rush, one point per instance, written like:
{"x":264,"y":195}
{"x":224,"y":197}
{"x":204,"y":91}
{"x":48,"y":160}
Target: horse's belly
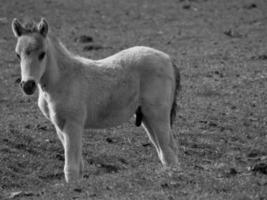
{"x":110,"y":118}
{"x":113,"y":112}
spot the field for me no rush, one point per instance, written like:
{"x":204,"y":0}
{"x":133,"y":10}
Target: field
{"x":220,"y":48}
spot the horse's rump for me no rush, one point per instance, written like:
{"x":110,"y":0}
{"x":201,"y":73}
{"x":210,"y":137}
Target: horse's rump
{"x":177,"y":88}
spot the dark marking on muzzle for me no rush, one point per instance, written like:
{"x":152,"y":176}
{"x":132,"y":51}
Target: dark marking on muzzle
{"x":138,"y":116}
{"x":28,"y":87}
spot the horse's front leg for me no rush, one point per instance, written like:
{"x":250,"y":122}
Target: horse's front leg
{"x":71,"y":137}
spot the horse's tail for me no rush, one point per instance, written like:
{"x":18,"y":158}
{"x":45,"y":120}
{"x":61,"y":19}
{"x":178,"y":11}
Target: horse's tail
{"x":177,"y":89}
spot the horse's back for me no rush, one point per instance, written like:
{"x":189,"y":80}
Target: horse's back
{"x":137,"y":55}
{"x":148,"y":63}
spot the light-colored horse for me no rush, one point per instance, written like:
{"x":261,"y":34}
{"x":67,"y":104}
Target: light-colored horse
{"x":77,"y":93}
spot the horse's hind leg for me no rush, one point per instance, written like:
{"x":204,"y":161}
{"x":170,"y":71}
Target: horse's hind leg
{"x":157,"y":124}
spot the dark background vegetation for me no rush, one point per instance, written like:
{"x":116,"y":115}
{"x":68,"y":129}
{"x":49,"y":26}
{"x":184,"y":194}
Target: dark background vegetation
{"x":220,"y":48}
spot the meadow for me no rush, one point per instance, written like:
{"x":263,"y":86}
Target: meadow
{"x":220,"y":49}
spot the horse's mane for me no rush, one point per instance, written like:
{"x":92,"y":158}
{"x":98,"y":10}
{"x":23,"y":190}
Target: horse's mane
{"x":30,"y":26}
{"x":58,"y":45}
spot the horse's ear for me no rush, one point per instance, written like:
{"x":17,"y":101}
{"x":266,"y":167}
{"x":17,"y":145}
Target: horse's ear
{"x":17,"y":28}
{"x":43,"y":27}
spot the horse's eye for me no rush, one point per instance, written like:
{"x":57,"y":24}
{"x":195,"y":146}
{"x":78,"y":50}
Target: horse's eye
{"x":18,"y":56}
{"x":41,"y":56}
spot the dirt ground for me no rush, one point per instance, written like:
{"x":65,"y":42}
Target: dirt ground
{"x":220,"y":48}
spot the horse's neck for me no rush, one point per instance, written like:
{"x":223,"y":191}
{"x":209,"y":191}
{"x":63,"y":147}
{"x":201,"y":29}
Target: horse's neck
{"x":60,"y":64}
{"x":56,"y":63}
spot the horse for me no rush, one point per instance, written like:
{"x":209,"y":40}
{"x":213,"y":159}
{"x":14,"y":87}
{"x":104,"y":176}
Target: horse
{"x":77,"y":93}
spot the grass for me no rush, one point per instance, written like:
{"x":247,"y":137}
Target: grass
{"x":220,"y":48}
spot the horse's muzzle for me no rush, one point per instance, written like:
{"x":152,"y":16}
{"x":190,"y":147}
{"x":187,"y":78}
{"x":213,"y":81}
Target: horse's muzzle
{"x":28,"y":87}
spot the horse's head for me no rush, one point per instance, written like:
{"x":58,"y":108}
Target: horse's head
{"x":31,"y":50}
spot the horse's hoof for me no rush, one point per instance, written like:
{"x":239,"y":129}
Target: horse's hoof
{"x":72,"y":176}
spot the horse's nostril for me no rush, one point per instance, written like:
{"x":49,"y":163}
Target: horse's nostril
{"x":30,"y":83}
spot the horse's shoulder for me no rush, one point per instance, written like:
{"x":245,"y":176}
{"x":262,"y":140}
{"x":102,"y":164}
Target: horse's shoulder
{"x":52,"y":110}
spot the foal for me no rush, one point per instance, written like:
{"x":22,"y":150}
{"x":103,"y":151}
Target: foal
{"x":77,"y":93}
